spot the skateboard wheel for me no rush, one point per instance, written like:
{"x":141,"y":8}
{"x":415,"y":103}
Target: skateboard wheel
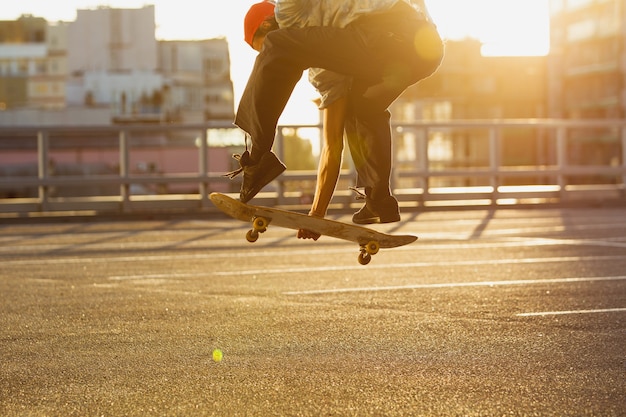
{"x":372,"y":247}
{"x":260,"y":224}
{"x":252,"y":236}
{"x":364,"y":258}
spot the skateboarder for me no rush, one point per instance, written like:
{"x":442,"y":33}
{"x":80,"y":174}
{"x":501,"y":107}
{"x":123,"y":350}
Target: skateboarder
{"x":380,"y":47}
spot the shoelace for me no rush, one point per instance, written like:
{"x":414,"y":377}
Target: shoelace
{"x":237,"y":156}
{"x":360,"y":195}
{"x":233,"y":174}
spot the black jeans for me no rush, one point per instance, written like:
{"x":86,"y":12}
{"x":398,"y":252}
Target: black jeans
{"x":384,"y":53}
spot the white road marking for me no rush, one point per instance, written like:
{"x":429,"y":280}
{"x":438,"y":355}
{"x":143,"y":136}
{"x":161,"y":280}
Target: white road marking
{"x":457,"y":285}
{"x":561,"y":313}
{"x":510,"y":261}
{"x":151,"y":276}
{"x":173,"y":254}
{"x":608,"y":242}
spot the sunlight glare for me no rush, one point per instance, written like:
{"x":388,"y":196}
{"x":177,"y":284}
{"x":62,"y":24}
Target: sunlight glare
{"x":505,"y":27}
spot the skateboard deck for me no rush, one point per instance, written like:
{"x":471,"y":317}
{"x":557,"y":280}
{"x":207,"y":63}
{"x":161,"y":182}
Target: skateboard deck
{"x":369,"y":241}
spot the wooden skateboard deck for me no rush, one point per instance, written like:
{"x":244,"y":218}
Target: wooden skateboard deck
{"x":370,"y":241}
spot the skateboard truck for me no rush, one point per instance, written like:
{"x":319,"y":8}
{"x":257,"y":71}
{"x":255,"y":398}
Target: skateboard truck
{"x":367,"y":251}
{"x":259,"y":225}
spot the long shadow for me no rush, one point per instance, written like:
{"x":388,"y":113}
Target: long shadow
{"x":405,"y":219}
{"x":214,"y":231}
{"x":34,"y":235}
{"x":479,"y":230}
{"x":116,"y":236}
{"x":84,"y":247}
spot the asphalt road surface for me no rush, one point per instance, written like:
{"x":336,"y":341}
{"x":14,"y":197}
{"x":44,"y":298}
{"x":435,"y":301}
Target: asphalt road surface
{"x":490,"y":313}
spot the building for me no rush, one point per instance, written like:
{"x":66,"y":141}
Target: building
{"x":469,"y":85}
{"x":109,"y":64}
{"x":587,"y":74}
{"x":588,"y":59}
{"x":112,"y":40}
{"x":33,"y":64}
{"x":199,"y":87}
{"x":123,"y":66}
{"x":112,"y":62}
{"x":26,"y":29}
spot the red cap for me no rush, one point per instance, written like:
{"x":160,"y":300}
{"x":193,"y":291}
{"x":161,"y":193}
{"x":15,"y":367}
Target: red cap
{"x":255,"y":16}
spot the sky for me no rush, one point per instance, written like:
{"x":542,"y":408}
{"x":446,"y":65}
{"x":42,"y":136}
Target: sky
{"x":506,"y":27}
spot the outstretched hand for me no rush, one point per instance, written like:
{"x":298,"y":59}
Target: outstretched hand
{"x":307,"y":234}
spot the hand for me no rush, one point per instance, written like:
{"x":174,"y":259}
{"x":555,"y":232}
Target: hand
{"x":307,"y":234}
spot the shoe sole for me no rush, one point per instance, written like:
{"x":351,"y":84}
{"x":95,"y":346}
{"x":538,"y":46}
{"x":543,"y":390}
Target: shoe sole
{"x":375,"y":220}
{"x":370,"y":220}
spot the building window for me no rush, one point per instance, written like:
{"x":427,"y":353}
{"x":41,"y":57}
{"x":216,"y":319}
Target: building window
{"x":438,"y":111}
{"x":40,"y":68}
{"x":22,"y":67}
{"x":213,"y":66}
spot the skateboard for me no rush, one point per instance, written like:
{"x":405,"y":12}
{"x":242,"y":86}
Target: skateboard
{"x":369,"y":241}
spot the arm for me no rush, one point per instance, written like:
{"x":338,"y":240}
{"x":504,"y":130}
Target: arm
{"x":330,"y":162}
{"x":330,"y":157}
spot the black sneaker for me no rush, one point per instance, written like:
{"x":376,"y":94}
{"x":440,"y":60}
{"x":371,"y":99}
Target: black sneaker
{"x":378,"y":211}
{"x":256,"y":176}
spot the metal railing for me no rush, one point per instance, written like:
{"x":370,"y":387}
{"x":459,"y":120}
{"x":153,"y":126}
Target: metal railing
{"x":580,"y":160}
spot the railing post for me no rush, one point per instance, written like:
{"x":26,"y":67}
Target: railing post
{"x":279,"y":147}
{"x":124,"y":169}
{"x":393,"y":175}
{"x":42,"y":168}
{"x":204,"y":168}
{"x":561,"y":159}
{"x":624,"y":159}
{"x":494,"y":161}
{"x":423,"y":162}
